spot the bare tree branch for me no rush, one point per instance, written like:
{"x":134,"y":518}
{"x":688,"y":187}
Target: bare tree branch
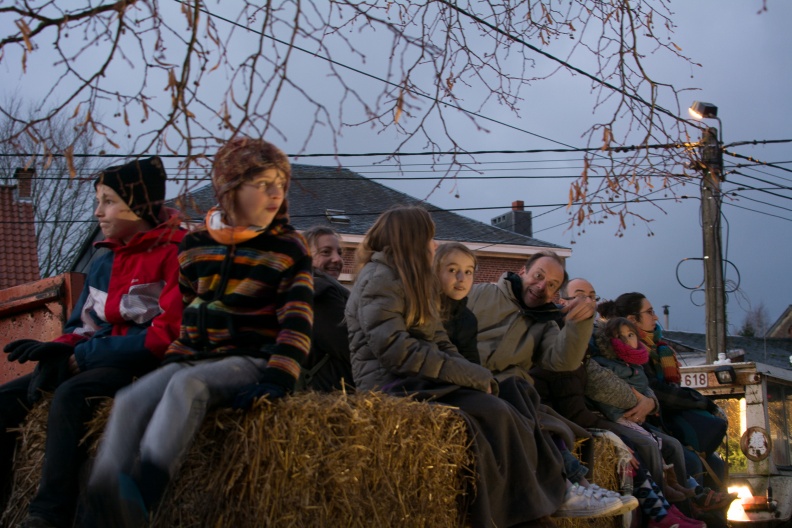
{"x":181,"y":76}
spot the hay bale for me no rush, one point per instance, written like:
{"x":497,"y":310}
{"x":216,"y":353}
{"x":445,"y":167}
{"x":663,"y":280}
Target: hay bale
{"x":308,"y":460}
{"x":28,"y":459}
{"x":312,"y":460}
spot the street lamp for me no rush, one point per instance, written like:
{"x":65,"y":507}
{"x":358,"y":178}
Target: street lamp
{"x":701,"y":110}
{"x":711,"y":152}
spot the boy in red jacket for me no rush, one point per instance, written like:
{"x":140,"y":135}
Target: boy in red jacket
{"x":127,"y":315}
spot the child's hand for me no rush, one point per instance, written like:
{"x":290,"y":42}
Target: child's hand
{"x":24,"y":350}
{"x":634,"y":461}
{"x":74,"y":367}
{"x":247,"y":395}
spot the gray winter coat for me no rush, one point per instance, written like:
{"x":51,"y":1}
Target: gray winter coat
{"x":510,"y":342}
{"x":634,"y":376}
{"x":384,"y":350}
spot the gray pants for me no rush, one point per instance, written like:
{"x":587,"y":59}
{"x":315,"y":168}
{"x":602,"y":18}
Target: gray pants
{"x":159,"y":415}
{"x":672,"y":452}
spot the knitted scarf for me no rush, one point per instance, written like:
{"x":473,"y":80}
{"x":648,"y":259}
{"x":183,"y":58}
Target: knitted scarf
{"x":226,"y":234}
{"x":628,"y":354}
{"x":662,"y":355}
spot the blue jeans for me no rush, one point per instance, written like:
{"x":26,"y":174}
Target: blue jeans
{"x":572,"y":467}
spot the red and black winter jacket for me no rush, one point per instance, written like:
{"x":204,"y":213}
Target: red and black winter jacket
{"x":130,"y":308}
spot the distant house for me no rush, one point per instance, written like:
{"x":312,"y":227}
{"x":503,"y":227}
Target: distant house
{"x":349,"y":203}
{"x":783,"y":326}
{"x":691,"y":348}
{"x":19,"y":256}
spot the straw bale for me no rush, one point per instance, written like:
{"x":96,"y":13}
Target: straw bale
{"x":313,"y":460}
{"x":27,"y":463}
{"x":308,"y":460}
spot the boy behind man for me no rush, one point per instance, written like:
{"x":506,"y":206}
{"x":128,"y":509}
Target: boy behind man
{"x":127,"y":315}
{"x":248,"y":291}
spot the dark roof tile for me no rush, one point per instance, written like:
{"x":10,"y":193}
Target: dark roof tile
{"x":19,"y":257}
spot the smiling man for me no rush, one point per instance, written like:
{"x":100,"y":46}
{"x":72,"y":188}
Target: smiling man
{"x":517,"y":325}
{"x":328,"y":367}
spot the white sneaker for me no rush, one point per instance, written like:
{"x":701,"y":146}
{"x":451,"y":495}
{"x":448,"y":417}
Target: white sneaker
{"x":629,"y":502}
{"x":581,"y":502}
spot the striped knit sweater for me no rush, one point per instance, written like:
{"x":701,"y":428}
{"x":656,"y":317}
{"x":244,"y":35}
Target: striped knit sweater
{"x":252,"y":298}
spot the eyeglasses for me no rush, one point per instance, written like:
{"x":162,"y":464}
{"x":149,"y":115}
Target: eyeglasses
{"x":268,"y":186}
{"x":594,"y":298}
{"x":650,"y":311}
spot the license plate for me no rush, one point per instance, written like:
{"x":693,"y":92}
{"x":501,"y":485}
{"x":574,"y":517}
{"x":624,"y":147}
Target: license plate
{"x":694,"y":380}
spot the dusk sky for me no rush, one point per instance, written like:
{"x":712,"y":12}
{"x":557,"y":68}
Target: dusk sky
{"x":746,"y":70}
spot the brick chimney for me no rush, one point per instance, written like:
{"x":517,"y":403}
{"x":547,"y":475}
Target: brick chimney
{"x":24,"y":178}
{"x":517,"y":220}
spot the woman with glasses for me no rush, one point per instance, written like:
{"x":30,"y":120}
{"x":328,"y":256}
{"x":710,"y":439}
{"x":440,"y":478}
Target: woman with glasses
{"x":663,"y":366}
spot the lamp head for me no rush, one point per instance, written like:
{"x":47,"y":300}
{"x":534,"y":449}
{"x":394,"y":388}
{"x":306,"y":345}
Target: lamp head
{"x":701,"y":110}
{"x":725,"y":375}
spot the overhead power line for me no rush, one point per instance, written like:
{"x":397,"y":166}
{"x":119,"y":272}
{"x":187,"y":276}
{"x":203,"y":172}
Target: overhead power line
{"x":565,"y":64}
{"x":618,"y":150}
{"x":755,"y":211}
{"x":757,"y":142}
{"x":759,"y":162}
{"x":763,"y":190}
{"x":737,"y":193}
{"x":438,"y":209}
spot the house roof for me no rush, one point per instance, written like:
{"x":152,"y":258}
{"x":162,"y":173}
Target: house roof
{"x":19,"y":257}
{"x":783,"y":326}
{"x":316,"y":189}
{"x":775,"y":352}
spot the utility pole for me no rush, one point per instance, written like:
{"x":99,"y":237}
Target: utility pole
{"x":715,"y":309}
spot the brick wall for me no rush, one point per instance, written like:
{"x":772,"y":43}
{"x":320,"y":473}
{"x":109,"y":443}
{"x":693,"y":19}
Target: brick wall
{"x":491,"y":268}
{"x":348,"y":255}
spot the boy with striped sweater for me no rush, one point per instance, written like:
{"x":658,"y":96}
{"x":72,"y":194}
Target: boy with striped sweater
{"x":248,"y":291}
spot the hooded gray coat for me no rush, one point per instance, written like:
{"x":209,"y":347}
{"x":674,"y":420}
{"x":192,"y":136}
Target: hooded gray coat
{"x":384,"y":350}
{"x":518,"y":468}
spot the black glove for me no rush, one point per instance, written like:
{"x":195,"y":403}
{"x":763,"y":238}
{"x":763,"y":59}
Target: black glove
{"x":19,"y":349}
{"x":247,"y":395}
{"x":24,"y":350}
{"x":48,"y":375}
